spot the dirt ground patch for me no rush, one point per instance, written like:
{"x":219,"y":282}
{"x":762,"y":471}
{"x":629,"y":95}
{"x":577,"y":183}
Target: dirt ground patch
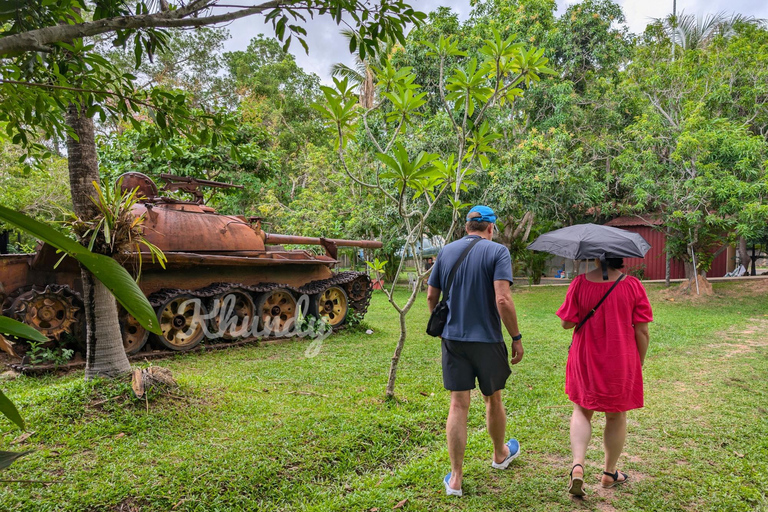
{"x":681,"y":292}
{"x":739,"y":341}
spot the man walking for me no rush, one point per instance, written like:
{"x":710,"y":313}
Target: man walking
{"x":479,"y":300}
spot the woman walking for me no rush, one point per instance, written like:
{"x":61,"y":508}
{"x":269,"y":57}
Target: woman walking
{"x":604,"y":369}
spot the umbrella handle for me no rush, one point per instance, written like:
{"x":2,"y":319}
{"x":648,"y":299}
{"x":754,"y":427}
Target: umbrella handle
{"x":604,"y":267}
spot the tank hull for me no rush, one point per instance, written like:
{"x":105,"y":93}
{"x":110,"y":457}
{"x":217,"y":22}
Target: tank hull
{"x":204,"y":277}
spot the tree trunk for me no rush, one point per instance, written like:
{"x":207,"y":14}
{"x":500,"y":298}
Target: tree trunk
{"x":668,"y":269}
{"x":396,"y":358}
{"x":690,"y":272}
{"x":83,"y":162}
{"x":105,"y":354}
{"x":743,"y":253}
{"x":367,"y":89}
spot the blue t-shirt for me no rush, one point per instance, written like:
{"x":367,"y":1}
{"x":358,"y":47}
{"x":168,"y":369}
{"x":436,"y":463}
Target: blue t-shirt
{"x":472,"y":312}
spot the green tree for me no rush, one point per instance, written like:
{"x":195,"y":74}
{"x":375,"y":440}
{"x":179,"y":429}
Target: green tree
{"x":42,"y":192}
{"x":414,"y":182}
{"x":693,"y":155}
{"x":554,"y":161}
{"x":277,"y":94}
{"x":589,"y":37}
{"x":544,"y":181}
{"x":190,"y":60}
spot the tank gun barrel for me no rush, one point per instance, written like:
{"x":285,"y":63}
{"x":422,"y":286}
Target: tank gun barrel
{"x":174,"y":179}
{"x":192,"y":185}
{"x":273,"y":239}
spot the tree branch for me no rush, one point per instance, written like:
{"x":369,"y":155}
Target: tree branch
{"x":446,"y":106}
{"x":77,"y":89}
{"x":41,"y":39}
{"x":655,"y":103}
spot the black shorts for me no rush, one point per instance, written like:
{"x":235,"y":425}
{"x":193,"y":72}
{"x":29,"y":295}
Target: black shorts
{"x":465,"y":361}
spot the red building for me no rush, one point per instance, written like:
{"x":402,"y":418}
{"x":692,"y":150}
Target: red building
{"x":654,"y":263}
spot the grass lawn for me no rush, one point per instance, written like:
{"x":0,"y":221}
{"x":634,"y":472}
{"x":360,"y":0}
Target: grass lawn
{"x":266,"y":428}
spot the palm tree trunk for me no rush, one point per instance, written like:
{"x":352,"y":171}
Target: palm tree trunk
{"x":105,"y":356}
{"x":367,"y":89}
{"x":83,"y":162}
{"x":104,"y":344}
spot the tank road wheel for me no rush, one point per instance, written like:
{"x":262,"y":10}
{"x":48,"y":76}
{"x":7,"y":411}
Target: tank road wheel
{"x":331,"y":305}
{"x":134,"y":335}
{"x":182,"y":329}
{"x":52,"y":311}
{"x":277,"y":312}
{"x":241,"y":314}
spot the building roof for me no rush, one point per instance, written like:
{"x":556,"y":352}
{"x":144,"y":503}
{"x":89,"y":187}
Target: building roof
{"x":635,"y":220}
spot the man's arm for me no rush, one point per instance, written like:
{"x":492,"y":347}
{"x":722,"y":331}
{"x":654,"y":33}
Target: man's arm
{"x":567,"y":325}
{"x":508,"y":316}
{"x":642,"y":338}
{"x":433,"y":297}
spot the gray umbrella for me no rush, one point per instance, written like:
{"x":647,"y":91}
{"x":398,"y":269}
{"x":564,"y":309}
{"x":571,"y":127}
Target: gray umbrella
{"x":591,"y":241}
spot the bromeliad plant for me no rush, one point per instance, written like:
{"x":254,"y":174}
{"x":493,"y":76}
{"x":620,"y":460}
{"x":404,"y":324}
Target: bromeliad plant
{"x":115,"y":231}
{"x":418,"y":183}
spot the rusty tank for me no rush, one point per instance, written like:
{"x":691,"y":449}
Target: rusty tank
{"x":211,"y":258}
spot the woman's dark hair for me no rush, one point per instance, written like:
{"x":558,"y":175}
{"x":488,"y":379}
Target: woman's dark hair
{"x":615,"y":263}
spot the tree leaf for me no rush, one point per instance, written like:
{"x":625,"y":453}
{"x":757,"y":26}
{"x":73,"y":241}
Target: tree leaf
{"x":7,"y":458}
{"x":12,"y":327}
{"x":9,"y":411}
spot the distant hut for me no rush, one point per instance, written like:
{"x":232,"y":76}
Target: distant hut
{"x":653,"y":266}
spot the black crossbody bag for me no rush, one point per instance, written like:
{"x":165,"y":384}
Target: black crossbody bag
{"x":592,"y":311}
{"x":439,"y":316}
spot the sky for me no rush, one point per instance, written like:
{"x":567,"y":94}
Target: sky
{"x":327,"y":46}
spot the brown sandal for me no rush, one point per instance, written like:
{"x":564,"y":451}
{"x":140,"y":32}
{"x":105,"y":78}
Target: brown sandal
{"x":576,"y":485}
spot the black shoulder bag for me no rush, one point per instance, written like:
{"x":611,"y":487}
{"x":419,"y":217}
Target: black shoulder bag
{"x":592,"y":311}
{"x":439,"y":316}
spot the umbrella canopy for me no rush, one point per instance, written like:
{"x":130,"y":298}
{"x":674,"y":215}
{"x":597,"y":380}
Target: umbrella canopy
{"x":591,"y":241}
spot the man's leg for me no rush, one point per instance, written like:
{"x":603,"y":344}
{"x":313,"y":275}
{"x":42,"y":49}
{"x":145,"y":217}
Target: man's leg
{"x":614,"y":435}
{"x":456,"y":428}
{"x":496,"y":421}
{"x":581,"y":433}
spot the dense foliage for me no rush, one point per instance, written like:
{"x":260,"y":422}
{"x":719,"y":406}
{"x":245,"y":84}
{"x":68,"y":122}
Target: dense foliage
{"x":626,"y":126}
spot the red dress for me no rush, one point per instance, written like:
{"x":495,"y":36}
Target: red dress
{"x":603,"y":372}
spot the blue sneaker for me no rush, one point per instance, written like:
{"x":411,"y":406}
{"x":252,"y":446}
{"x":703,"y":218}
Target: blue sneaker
{"x":514,"y":451}
{"x":450,"y":491}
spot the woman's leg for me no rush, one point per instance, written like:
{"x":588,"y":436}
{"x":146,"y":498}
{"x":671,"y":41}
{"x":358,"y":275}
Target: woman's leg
{"x":613,"y":439}
{"x":581,"y":432}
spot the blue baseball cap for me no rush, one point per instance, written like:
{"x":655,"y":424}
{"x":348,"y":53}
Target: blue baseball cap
{"x":486,"y":214}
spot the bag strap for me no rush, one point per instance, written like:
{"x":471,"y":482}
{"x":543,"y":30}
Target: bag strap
{"x":463,"y":256}
{"x":592,"y":311}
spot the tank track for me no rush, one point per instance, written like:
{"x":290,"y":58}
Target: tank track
{"x":357,"y":285}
